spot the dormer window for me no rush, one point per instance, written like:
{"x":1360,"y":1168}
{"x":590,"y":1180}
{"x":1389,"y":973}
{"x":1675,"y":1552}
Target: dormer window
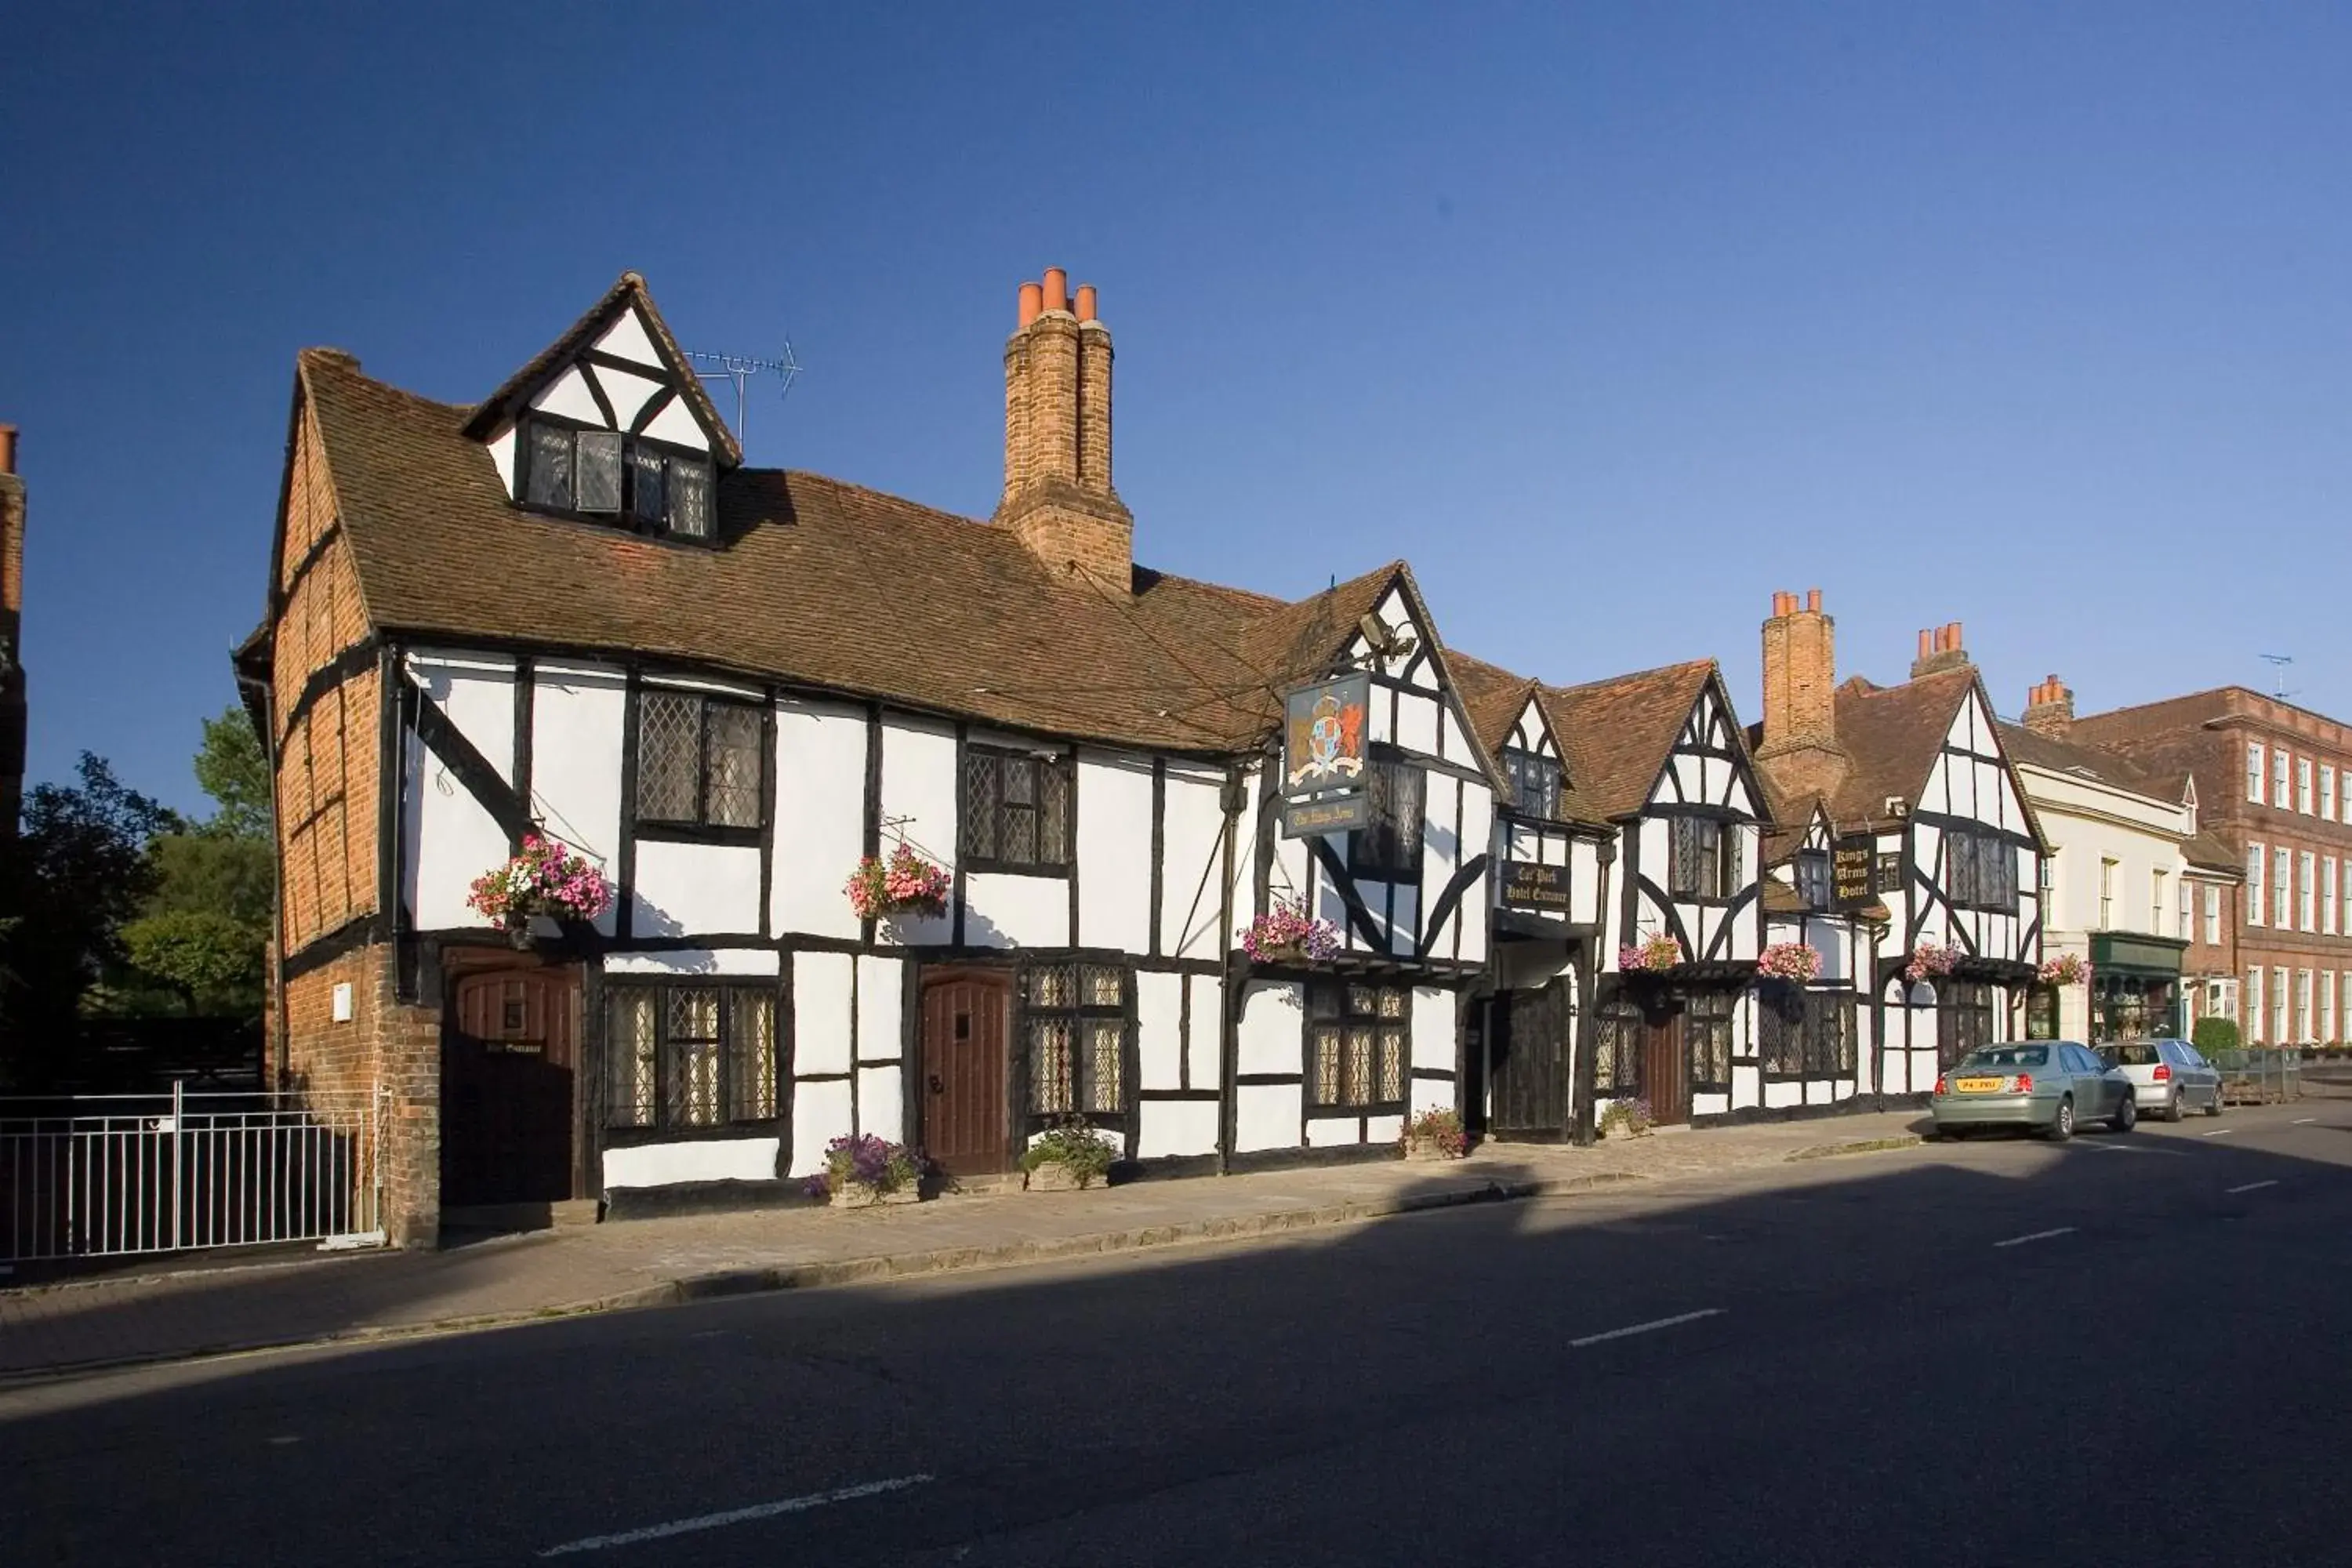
{"x":605,"y":474}
{"x":1535,"y":782}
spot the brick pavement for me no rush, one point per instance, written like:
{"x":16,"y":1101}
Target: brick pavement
{"x":641,"y":1263}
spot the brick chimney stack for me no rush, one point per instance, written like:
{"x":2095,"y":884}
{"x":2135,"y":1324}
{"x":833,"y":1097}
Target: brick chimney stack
{"x":11,"y":612}
{"x":1801,"y":750}
{"x":2049,"y":709}
{"x":1939,"y":650}
{"x":1058,"y":498}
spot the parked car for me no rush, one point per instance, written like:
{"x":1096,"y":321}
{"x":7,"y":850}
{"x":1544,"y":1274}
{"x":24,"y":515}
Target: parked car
{"x":2168,"y":1077}
{"x":2049,"y":1086}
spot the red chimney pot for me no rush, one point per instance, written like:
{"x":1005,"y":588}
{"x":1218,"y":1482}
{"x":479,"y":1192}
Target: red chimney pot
{"x":1928,"y":641}
{"x":8,"y":449}
{"x":1057,"y":289}
{"x":1813,"y":601}
{"x":1032,"y":300}
{"x":1086,"y":302}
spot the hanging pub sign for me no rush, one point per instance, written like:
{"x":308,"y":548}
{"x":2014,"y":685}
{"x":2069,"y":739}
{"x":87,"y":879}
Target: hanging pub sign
{"x":1323,"y":785}
{"x":1853,"y":871}
{"x":1528,"y":886}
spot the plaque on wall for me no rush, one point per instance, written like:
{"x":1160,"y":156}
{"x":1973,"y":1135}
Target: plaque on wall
{"x":1529,"y":886}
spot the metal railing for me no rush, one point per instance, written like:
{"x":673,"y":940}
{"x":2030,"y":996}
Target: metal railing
{"x":2256,"y":1075}
{"x":112,"y":1175}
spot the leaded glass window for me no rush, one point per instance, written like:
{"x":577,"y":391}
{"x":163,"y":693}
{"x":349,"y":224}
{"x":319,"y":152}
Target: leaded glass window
{"x":550,"y":479}
{"x":1359,"y":1038}
{"x":689,"y":500}
{"x":1805,"y":1033}
{"x":1617,"y":1053}
{"x":1535,"y":782}
{"x":1075,"y":1023}
{"x":1706,"y":1026}
{"x":1389,"y":846}
{"x":649,"y":498}
{"x":1702,"y":858}
{"x":608,"y":473}
{"x":597,"y":475}
{"x":1016,"y":810}
{"x":699,"y":759}
{"x":683,"y":1058}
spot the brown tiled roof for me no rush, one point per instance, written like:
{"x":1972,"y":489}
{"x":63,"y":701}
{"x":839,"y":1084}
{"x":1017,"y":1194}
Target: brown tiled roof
{"x":2031,"y":747}
{"x":821,"y":583}
{"x":1619,"y":732}
{"x":1893,"y":733}
{"x":484,"y":418}
{"x":1780,"y":899}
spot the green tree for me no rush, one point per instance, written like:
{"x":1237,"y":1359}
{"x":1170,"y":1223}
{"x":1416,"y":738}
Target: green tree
{"x":80,"y":873}
{"x":204,"y":929}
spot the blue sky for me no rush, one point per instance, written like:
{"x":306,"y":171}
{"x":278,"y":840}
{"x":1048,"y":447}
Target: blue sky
{"x":1611,"y":318}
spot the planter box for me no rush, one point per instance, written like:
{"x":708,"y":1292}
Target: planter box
{"x":857,"y":1195}
{"x":1418,"y":1153}
{"x":1054,"y":1176}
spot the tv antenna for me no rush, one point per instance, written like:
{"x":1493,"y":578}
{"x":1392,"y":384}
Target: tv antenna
{"x":2278,"y":663}
{"x":739,"y":370}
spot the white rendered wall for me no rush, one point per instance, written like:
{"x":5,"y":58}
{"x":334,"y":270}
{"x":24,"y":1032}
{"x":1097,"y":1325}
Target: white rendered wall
{"x":1160,"y":1036}
{"x":706,"y":1160}
{"x":1174,"y":1126}
{"x":1192,"y":852}
{"x":918,"y":785}
{"x":1114,"y":851}
{"x":577,"y":716}
{"x":684,"y":889}
{"x":820,"y":767}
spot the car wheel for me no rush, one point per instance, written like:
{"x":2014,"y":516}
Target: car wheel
{"x":2213,"y":1105}
{"x":2061,"y":1126}
{"x":2127,"y":1116}
{"x":2172,"y":1112}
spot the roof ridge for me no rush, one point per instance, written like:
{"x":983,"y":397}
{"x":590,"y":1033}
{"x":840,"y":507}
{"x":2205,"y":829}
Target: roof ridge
{"x":1675,"y":668}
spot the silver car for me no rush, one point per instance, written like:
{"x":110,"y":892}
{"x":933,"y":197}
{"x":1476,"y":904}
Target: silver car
{"x":2049,"y":1086}
{"x":2169,"y":1077}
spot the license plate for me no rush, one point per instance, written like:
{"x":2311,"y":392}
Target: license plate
{"x":1981,"y":1084}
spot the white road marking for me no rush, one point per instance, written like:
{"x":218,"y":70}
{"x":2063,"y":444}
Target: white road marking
{"x":2251,"y":1188}
{"x":1648,"y":1328}
{"x":2305,"y":1121}
{"x":737,"y":1515}
{"x":2037,"y":1236}
{"x":2217,"y":1132}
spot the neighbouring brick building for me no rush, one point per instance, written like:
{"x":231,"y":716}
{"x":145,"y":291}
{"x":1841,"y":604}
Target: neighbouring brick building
{"x":12,"y":616}
{"x":2274,"y":783}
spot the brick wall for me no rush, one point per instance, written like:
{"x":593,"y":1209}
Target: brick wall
{"x":327,"y":753}
{"x":386,"y":1045}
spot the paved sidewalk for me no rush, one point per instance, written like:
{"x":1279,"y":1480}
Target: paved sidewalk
{"x":655,"y":1262}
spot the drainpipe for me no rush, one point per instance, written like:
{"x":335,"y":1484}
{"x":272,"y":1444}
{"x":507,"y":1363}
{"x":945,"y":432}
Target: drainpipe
{"x":1588,"y":1016}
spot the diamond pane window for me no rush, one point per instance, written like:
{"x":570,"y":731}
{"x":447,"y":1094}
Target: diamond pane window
{"x":689,"y":500}
{"x":1358,"y":1062}
{"x":1076,"y":1034}
{"x":550,"y":483}
{"x":1015,"y":812}
{"x":684,"y":1057}
{"x":753,"y":1057}
{"x":669,"y":755}
{"x":647,"y":494}
{"x":1106,"y":1045}
{"x":633,"y":1047}
{"x":733,"y":798}
{"x":596,"y":482}
{"x":1050,"y":1068}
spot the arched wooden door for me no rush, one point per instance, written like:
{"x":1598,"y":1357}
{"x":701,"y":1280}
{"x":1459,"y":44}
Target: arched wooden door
{"x":1530,"y":1052}
{"x":965,"y":1089}
{"x":509,"y":1062}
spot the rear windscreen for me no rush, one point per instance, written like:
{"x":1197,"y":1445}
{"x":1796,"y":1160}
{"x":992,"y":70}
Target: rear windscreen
{"x":2009,"y":1056}
{"x":2131,"y":1054}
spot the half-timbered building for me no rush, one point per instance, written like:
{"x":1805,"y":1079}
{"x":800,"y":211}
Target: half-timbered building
{"x":1912,"y":781}
{"x":573,"y":610}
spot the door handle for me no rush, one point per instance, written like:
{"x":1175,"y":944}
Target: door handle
{"x":937,"y":1087}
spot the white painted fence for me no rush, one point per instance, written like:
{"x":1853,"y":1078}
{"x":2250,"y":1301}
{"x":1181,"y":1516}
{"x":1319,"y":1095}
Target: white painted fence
{"x":117,"y":1174}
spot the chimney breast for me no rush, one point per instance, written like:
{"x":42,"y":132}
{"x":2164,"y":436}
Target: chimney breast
{"x":2049,"y":709}
{"x":1058,"y":498}
{"x":1939,"y":650}
{"x":1801,"y":750}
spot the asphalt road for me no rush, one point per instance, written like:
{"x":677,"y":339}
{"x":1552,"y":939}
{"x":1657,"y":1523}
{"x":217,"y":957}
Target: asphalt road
{"x":1878,"y":1360}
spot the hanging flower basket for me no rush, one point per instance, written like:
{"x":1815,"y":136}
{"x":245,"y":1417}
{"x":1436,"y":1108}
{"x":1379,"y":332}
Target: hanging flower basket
{"x":548,"y":877}
{"x":1651,"y":955}
{"x":1287,"y":934}
{"x":1788,"y":960}
{"x":2066,"y":969}
{"x":905,"y":884}
{"x":1930,"y":960}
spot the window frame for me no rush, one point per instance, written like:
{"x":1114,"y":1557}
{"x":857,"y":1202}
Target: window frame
{"x":2213,"y":913}
{"x":1054,"y":769}
{"x":2257,"y":767}
{"x":1791,"y":1022}
{"x":2327,"y":895}
{"x":2306,"y":892}
{"x":1979,"y":869}
{"x":1524,"y":768}
{"x":1700,"y":1021}
{"x":2282,"y":887}
{"x":1389,"y":850}
{"x":2303,"y":797}
{"x":623,"y":515}
{"x":2282,"y":779}
{"x":1964,"y":1008}
{"x":2327,"y":792}
{"x":1340,"y":1020}
{"x":700,"y":829}
{"x":1811,"y":871}
{"x":1082,"y":1015}
{"x":2257,"y":883}
{"x":1721,"y":858}
{"x":663,"y":1125}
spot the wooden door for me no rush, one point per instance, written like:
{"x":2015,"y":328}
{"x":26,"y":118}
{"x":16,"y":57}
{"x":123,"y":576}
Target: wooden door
{"x":1666,"y":1070}
{"x":508,"y":1062}
{"x":965,"y":1088}
{"x":1530,"y":1062}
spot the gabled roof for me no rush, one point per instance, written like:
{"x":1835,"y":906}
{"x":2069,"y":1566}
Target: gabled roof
{"x":2030,"y":748}
{"x":820,"y":583}
{"x":1622,"y":730}
{"x":1895,"y":735}
{"x":628,"y":292}
{"x":2209,"y":852}
{"x":1494,"y":698}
